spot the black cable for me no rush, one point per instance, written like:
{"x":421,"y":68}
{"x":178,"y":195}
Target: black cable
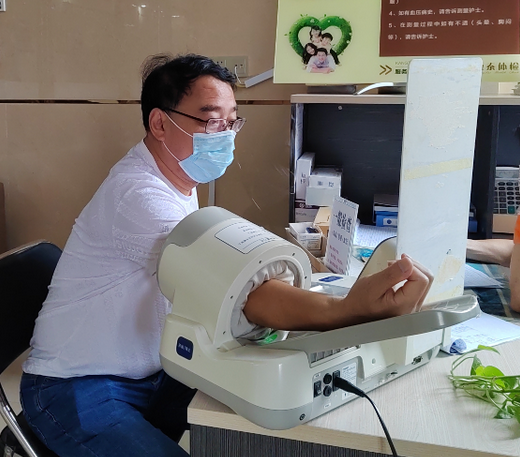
{"x":347,"y":386}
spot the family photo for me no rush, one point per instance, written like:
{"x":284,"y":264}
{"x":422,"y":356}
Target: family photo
{"x":320,"y":42}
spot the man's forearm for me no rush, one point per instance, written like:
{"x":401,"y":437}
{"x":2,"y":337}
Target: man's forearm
{"x":278,"y":305}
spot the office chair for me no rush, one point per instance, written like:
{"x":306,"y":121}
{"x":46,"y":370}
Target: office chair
{"x":25,"y":274}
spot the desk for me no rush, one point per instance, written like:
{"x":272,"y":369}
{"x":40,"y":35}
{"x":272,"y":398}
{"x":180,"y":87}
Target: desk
{"x":426,"y":417}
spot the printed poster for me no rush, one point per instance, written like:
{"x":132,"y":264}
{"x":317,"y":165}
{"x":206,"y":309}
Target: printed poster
{"x":366,"y":41}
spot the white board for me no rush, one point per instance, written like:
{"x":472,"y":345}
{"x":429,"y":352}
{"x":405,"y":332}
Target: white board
{"x":436,"y":167}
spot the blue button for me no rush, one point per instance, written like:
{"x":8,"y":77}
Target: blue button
{"x":184,"y":348}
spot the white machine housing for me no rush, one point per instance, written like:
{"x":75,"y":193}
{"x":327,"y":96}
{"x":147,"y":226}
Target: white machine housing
{"x":203,"y":268}
{"x":207,"y":261}
{"x":281,"y":382}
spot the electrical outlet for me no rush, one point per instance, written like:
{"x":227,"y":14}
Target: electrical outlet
{"x":220,"y":60}
{"x":2,"y":5}
{"x":235,"y":64}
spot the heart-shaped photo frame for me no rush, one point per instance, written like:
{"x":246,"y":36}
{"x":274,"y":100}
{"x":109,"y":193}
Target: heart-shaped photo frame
{"x":320,"y":25}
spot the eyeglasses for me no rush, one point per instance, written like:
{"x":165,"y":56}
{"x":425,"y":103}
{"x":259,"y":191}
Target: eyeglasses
{"x":217,"y":125}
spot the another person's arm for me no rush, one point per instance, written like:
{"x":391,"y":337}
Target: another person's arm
{"x":490,"y":251}
{"x":514,"y":281}
{"x":276,"y":304}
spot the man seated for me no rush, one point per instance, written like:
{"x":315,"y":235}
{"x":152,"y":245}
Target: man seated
{"x":93,"y":383}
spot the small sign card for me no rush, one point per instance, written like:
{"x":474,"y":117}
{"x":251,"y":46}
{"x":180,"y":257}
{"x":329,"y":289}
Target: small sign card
{"x":341,"y":235}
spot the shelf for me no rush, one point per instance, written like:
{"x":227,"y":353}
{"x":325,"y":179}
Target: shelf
{"x":390,"y":99}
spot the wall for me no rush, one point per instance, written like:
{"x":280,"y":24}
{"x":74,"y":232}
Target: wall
{"x":69,"y":90}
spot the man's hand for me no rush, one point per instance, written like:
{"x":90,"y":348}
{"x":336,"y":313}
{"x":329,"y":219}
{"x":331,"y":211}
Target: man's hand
{"x":374,"y":297}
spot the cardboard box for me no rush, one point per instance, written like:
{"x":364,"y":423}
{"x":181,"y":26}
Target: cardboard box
{"x":317,"y":265}
{"x":304,"y":166}
{"x":322,"y":219}
{"x":321,"y":196}
{"x":309,"y":240}
{"x":304,"y":212}
{"x":325,"y":177}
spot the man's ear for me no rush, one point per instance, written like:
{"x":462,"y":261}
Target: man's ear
{"x":156,"y":121}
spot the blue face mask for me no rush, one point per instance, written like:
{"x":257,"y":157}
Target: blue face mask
{"x":212,"y":154}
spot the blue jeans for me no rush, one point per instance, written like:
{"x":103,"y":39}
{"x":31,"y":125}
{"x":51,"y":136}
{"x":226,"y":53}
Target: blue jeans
{"x":106,"y":416}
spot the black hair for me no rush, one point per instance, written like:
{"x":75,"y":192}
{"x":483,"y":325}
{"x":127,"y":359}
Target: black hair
{"x":327,"y":35}
{"x":306,"y":56}
{"x":167,"y":79}
{"x":322,"y":50}
{"x":314,"y":27}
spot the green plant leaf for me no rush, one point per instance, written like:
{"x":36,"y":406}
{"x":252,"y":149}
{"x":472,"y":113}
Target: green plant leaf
{"x":475,"y":365}
{"x":490,"y":371}
{"x":510,"y":382}
{"x":481,"y":347}
{"x":488,"y":383}
{"x":517,"y":413}
{"x":503,"y":414}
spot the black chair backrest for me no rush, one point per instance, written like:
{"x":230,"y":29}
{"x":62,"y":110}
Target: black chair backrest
{"x":25,"y":275}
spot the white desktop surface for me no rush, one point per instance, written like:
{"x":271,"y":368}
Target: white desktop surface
{"x":424,"y":415}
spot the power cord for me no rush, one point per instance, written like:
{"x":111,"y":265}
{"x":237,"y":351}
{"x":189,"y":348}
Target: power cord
{"x":239,"y":83}
{"x":347,"y":386}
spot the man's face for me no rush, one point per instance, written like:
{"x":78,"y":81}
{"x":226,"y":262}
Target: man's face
{"x":325,"y":41}
{"x":208,"y":98}
{"x":322,"y":56}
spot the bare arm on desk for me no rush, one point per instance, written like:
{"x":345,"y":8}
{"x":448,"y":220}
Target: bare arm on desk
{"x":276,"y":304}
{"x":502,"y":252}
{"x":490,"y":251}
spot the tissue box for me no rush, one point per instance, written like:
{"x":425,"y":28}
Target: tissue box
{"x":321,"y":196}
{"x":303,"y":170}
{"x":325,"y":177}
{"x":310,"y":241}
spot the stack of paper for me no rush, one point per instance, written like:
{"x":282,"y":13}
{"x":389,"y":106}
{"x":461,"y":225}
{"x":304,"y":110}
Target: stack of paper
{"x":484,"y":330}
